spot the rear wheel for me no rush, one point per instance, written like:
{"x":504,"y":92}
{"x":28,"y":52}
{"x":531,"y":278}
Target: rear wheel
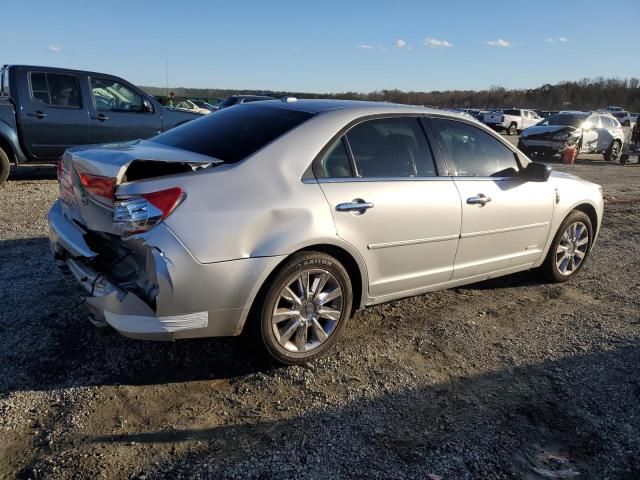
{"x":569,"y":249}
{"x":513,"y":129}
{"x":5,"y":167}
{"x":305,"y":308}
{"x":611,"y":155}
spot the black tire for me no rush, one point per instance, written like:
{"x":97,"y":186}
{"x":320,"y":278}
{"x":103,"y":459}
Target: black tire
{"x":5,"y":167}
{"x":549,"y":269}
{"x":265,"y":328}
{"x":513,"y":129}
{"x":611,"y":155}
{"x":624,"y":158}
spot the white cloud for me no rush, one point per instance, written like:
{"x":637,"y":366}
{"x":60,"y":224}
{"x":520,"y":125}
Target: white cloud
{"x":563,"y":39}
{"x":550,"y":40}
{"x":437,"y":43}
{"x":54,"y":48}
{"x":399,"y":43}
{"x":364,"y":46}
{"x":558,"y":39}
{"x":498,"y":43}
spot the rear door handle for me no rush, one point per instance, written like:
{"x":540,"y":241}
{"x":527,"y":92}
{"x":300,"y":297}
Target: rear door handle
{"x":481,"y":199}
{"x":102,"y":117}
{"x":37,"y":114}
{"x":357,"y":205}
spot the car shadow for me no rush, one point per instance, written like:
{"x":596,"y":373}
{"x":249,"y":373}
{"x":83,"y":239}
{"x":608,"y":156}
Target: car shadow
{"x":503,"y":424}
{"x":33,"y":172}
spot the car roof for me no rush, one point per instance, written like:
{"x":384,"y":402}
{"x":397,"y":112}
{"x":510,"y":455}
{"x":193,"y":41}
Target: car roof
{"x":324,"y":105}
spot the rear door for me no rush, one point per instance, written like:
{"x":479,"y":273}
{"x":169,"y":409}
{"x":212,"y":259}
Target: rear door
{"x":505,"y":219}
{"x":118,"y":112}
{"x":52,"y":116}
{"x":590,"y":130}
{"x":381,"y":182}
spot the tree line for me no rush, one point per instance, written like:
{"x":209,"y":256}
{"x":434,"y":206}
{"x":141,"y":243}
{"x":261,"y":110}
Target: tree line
{"x":585,"y":94}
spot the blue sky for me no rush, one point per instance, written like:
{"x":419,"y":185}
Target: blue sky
{"x":329,"y":46}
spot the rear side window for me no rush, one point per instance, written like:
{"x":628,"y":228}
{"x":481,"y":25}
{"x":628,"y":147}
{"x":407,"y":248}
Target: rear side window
{"x":55,"y":89}
{"x":473,"y":152}
{"x":235,"y":133}
{"x":336,"y":162}
{"x":512,"y":112}
{"x":391,"y":147}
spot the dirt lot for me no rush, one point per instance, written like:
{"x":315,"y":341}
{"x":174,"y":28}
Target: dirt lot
{"x":511,"y":378}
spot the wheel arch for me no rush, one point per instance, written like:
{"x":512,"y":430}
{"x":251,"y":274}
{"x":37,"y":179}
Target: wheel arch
{"x":351,"y":261}
{"x":590,"y":211}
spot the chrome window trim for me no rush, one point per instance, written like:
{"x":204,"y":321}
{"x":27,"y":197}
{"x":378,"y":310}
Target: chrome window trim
{"x":379,"y":179}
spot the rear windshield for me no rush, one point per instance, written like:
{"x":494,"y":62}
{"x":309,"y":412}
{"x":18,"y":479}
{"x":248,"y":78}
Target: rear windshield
{"x":233,"y":133}
{"x":565,"y":120}
{"x":512,"y":112}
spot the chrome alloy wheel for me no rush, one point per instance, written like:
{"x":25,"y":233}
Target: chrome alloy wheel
{"x":572,"y":248}
{"x":307,"y":311}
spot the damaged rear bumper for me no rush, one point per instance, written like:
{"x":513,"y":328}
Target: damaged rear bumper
{"x":190,"y":299}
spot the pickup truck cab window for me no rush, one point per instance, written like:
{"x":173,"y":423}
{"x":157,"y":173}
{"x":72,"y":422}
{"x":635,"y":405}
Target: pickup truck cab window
{"x":471,"y":152}
{"x":112,"y":96}
{"x":55,"y":89}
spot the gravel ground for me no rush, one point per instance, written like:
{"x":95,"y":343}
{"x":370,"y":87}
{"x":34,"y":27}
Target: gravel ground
{"x":511,"y":378}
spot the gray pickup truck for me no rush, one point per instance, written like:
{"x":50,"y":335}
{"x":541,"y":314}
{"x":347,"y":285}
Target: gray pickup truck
{"x":44,"y":111}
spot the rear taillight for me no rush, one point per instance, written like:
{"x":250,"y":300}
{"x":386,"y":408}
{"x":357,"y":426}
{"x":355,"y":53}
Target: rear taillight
{"x":140,"y":213}
{"x":502,"y":119}
{"x":98,"y":186}
{"x":59,"y":169}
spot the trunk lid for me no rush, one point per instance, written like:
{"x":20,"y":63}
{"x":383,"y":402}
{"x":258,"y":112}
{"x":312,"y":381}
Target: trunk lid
{"x":110,"y":165}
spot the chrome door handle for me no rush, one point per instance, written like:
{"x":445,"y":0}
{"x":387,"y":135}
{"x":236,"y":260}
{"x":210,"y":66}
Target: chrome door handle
{"x":37,"y":114}
{"x":481,"y":200}
{"x":357,"y":205}
{"x":101,"y":116}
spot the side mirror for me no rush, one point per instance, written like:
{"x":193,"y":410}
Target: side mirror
{"x":146,"y":105}
{"x":537,"y":172}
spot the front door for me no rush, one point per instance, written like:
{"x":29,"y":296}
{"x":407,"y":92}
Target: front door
{"x":505,"y":219}
{"x":381,"y":183}
{"x":53,"y":117}
{"x":119,"y":114}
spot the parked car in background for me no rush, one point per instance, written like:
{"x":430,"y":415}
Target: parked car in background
{"x":281,"y":218}
{"x":612,"y":109}
{"x":44,"y":111}
{"x":190,"y":106}
{"x":512,"y":120}
{"x":240,"y":99}
{"x":205,"y":105}
{"x":625,"y":118}
{"x":597,"y":132}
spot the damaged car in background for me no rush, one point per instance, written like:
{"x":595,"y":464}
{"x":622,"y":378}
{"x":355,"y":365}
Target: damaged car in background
{"x":279,"y":219}
{"x":597,"y":132}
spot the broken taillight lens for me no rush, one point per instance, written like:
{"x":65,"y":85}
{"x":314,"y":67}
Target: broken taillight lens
{"x":139,"y":213}
{"x":98,"y":186}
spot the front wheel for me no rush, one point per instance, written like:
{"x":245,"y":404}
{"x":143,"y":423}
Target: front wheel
{"x":305,"y":308}
{"x":569,"y":249}
{"x":5,"y":167}
{"x":611,"y":155}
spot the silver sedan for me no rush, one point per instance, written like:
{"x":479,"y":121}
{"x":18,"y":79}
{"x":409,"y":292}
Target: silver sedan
{"x":279,"y":219}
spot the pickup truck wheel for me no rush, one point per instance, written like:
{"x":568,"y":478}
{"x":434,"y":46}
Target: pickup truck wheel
{"x":513,"y":129}
{"x":5,"y":166}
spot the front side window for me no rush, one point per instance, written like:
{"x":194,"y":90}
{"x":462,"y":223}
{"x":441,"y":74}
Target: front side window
{"x":55,"y":89}
{"x":472,"y":152}
{"x":233,"y":133}
{"x":110,"y":95}
{"x":391,"y":147}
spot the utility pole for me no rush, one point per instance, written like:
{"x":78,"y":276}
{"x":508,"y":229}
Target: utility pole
{"x":167,"y":72}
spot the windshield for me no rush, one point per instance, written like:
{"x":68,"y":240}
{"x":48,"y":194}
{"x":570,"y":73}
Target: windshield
{"x":565,"y":119}
{"x":234,"y":133}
